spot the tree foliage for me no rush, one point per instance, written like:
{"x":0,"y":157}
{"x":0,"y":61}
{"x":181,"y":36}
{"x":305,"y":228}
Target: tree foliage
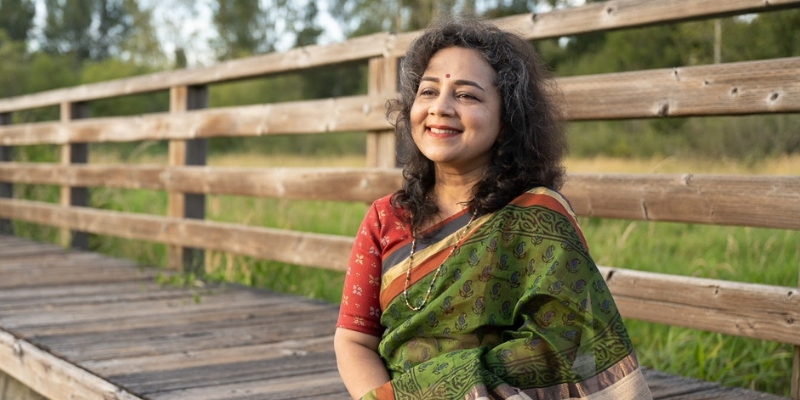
{"x":87,"y":29}
{"x":16,"y":18}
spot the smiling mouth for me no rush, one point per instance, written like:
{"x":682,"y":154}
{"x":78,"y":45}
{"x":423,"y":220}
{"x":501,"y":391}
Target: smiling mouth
{"x":443,"y":131}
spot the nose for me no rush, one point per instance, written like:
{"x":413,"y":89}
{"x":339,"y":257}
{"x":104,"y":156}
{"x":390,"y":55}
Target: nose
{"x":441,"y":106}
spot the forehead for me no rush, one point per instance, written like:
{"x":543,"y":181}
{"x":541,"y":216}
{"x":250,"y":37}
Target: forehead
{"x":460,"y":63}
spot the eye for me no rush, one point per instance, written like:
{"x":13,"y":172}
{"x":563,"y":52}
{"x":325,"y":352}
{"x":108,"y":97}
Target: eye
{"x":426,"y":92}
{"x":466,"y":96}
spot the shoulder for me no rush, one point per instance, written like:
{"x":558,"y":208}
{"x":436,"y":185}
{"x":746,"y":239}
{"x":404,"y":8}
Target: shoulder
{"x":384,"y":203}
{"x":552,"y":200}
{"x":383,"y":210}
{"x":545,"y":197}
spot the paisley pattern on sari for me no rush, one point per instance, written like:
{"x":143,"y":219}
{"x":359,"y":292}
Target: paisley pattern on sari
{"x":519,"y":311}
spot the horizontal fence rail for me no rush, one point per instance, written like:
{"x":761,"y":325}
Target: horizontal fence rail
{"x":593,"y":17}
{"x":357,"y":113}
{"x":726,"y":89}
{"x":308,"y":249}
{"x":757,"y":201}
{"x":609,"y":15}
{"x":339,"y":184}
{"x":742,"y":309}
{"x":752,"y":87}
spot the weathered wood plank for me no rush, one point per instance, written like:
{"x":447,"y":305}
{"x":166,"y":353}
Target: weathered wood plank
{"x":53,"y":377}
{"x":751,"y":87}
{"x":233,"y":315}
{"x":64,"y":314}
{"x":181,"y":339}
{"x":742,"y":309}
{"x":618,"y":14}
{"x":25,"y":298}
{"x":11,"y":388}
{"x":339,"y":184}
{"x":344,"y":114}
{"x":196,"y":358}
{"x":26,"y":257}
{"x":99,"y":275}
{"x":27,"y":253}
{"x":232,"y":373}
{"x":382,"y":81}
{"x":666,"y":386}
{"x":325,"y":385}
{"x":757,"y":200}
{"x":311,"y":249}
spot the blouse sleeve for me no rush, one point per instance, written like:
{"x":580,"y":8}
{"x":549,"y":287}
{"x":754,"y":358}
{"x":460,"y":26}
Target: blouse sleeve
{"x":360,"y":306}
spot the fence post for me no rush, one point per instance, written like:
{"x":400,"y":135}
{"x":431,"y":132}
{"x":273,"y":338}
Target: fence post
{"x":74,"y":153}
{"x":187,"y":152}
{"x":796,"y":363}
{"x":6,"y":188}
{"x":382,"y":81}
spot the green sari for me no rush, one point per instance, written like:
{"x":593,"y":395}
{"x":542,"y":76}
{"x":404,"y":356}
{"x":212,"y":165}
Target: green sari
{"x":519,"y":311}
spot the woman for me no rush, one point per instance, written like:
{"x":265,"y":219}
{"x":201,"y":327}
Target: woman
{"x":474,"y":281}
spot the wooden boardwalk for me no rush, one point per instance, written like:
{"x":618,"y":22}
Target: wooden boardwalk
{"x":80,"y":325}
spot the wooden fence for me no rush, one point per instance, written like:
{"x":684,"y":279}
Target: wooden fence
{"x":756,"y":87}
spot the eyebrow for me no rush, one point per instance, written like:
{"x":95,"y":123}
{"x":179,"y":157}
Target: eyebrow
{"x":458,"y":82}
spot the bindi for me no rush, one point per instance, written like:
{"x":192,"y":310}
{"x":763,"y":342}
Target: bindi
{"x":447,"y":75}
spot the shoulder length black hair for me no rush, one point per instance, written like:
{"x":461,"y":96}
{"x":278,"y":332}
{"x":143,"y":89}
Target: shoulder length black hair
{"x":531,"y":145}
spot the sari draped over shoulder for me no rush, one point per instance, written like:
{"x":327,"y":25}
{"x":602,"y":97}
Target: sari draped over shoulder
{"x":519,"y":311}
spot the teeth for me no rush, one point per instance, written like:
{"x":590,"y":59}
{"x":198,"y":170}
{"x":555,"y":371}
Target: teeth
{"x":444,"y":131}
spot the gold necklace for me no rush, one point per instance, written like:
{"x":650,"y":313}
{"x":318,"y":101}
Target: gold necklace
{"x":438,"y":270}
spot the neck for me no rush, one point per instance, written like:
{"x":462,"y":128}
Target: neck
{"x":454,"y":189}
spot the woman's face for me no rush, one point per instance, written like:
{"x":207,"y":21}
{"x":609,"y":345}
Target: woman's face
{"x":455,"y":118}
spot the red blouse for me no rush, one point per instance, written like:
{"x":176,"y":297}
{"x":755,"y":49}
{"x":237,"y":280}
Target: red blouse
{"x":381,"y":233}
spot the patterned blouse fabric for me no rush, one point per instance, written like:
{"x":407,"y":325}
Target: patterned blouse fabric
{"x":519,"y":310}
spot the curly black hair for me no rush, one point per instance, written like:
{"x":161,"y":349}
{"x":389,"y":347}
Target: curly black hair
{"x":531,"y":145}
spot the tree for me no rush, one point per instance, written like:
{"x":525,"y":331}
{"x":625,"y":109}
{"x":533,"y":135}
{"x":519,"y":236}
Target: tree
{"x":16,"y":18}
{"x":246,"y":28}
{"x":88,"y":29}
{"x":308,"y":31}
{"x":142,"y":45}
{"x":12,"y":53}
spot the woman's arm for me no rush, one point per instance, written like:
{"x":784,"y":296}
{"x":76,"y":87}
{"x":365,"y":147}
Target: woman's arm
{"x":359,"y":364}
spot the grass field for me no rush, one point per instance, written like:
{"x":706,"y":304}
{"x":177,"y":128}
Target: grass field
{"x":731,"y":253}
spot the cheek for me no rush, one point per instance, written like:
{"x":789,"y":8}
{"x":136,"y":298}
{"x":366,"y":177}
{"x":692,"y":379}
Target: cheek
{"x":417,"y":115}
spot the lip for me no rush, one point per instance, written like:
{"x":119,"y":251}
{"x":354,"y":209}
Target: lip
{"x":442,"y":131}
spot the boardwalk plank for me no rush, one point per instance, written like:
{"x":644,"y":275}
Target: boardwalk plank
{"x":186,"y":341}
{"x":210,"y":318}
{"x":666,"y":386}
{"x":210,"y":375}
{"x":326,"y":385}
{"x":82,"y":312}
{"x":218,"y":327}
{"x":194,"y":358}
{"x":60,"y":296}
